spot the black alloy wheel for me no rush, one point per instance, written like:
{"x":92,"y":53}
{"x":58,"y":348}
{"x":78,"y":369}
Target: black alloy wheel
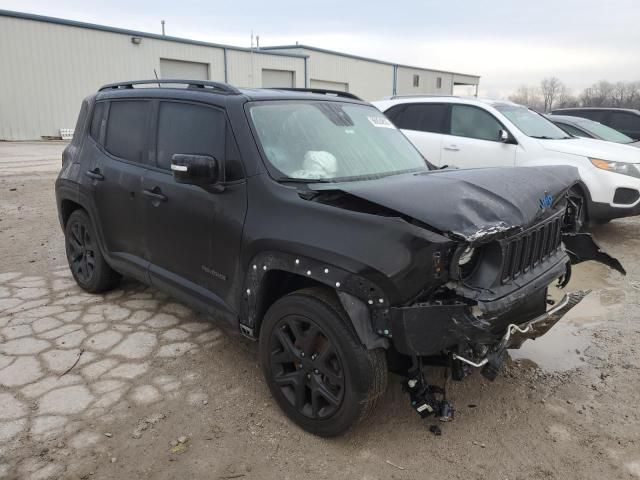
{"x":315,"y":365}
{"x":82,"y":248}
{"x":307,"y":367}
{"x":88,"y":266}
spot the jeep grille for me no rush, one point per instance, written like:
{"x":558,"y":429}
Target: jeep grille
{"x":526,"y":250}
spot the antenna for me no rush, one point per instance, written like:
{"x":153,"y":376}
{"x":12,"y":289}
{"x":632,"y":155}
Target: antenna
{"x":162,"y":23}
{"x":156,"y":74}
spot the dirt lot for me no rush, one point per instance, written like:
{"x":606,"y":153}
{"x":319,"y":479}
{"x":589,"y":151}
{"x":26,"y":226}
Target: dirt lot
{"x":152,"y":371}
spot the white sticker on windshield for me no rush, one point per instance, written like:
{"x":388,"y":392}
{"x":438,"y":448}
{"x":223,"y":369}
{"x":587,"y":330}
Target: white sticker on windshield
{"x":381,"y":122}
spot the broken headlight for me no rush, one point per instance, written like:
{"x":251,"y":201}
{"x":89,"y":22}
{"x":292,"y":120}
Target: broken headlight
{"x":467,"y":261}
{"x":630,"y":169}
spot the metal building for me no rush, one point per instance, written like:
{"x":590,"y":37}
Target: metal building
{"x":374,"y":79}
{"x":49,"y":65}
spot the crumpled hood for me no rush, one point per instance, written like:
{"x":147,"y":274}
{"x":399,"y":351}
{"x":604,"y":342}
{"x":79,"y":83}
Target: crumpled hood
{"x":471,"y":204}
{"x":588,"y":147}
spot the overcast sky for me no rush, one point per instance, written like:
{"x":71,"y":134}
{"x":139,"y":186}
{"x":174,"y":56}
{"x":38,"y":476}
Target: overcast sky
{"x":507,"y":42}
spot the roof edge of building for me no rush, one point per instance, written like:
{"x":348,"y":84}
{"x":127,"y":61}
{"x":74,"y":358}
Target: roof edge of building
{"x":136,"y":33}
{"x":368,"y":59}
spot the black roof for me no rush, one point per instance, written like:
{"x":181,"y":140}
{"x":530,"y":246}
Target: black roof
{"x":159,"y":87}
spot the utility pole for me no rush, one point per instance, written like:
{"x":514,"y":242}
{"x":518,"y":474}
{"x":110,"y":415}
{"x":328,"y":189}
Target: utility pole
{"x":162,"y":23}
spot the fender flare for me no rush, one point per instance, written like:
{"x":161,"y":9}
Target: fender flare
{"x":365,"y":303}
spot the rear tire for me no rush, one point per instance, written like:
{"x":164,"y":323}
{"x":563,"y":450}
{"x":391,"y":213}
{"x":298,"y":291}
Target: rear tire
{"x":316,"y":368}
{"x":88,"y":266}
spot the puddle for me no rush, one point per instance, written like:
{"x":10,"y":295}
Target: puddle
{"x":568,"y":344}
{"x":590,"y":276}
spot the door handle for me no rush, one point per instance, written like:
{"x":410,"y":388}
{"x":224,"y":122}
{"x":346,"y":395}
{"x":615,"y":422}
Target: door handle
{"x":155,"y":195}
{"x":94,"y":174}
{"x":452,"y":148}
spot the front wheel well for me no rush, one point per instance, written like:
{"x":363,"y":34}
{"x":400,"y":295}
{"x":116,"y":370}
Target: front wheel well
{"x":581,"y":190}
{"x":275,"y":285}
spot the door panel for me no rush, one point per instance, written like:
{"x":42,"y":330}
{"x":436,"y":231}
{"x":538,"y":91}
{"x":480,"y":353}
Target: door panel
{"x":193,"y":233}
{"x":423,"y":124}
{"x":473,"y":140}
{"x":427,"y":143}
{"x":465,"y":152}
{"x":115,"y":182}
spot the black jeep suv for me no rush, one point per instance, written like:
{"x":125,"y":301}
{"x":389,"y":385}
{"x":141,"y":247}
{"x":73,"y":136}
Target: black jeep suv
{"x":307,"y":221}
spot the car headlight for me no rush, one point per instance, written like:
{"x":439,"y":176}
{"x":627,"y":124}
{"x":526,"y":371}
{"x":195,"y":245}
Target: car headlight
{"x":617,"y":167}
{"x":466,"y":256}
{"x":468,"y":261}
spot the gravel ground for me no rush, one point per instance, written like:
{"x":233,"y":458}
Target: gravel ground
{"x":132,"y":384}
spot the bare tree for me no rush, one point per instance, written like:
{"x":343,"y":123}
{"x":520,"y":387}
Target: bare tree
{"x":528,"y":96}
{"x":552,"y":89}
{"x":553,"y":93}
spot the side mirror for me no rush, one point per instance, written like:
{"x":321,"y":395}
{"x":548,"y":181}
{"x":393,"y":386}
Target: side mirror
{"x":503,"y":136}
{"x":195,"y":169}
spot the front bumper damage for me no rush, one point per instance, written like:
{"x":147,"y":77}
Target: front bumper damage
{"x":429,"y":400}
{"x":515,"y":335}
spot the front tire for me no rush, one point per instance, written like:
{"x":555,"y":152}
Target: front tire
{"x":582,"y":221}
{"x":88,"y":266}
{"x":317,"y":370}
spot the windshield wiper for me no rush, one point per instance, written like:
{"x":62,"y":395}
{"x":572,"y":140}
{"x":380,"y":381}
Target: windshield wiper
{"x":544,"y":137}
{"x":303,"y":180}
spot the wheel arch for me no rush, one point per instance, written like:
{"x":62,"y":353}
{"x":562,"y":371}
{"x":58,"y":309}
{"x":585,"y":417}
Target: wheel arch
{"x":272,"y":275}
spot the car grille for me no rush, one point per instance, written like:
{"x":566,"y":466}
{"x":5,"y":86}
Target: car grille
{"x":526,"y":250}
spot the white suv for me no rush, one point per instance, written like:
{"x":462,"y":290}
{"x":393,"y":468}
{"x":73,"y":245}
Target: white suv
{"x":470,"y":132}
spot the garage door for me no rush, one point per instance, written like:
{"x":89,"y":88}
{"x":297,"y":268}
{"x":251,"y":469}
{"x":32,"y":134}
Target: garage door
{"x":184,"y":70}
{"x":326,"y":85}
{"x":277,"y":78}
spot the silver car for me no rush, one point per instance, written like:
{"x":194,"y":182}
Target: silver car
{"x":585,"y":128}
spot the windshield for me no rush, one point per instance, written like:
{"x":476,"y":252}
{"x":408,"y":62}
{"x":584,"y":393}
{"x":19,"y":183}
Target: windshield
{"x":531,"y":123}
{"x":604,"y":132}
{"x":330,"y":141}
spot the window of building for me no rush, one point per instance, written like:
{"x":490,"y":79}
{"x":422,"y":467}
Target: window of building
{"x":127,"y":129}
{"x":416,"y":80}
{"x":439,"y":82}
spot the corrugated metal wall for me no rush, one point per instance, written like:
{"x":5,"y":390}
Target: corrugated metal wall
{"x":428,"y":82}
{"x":245,"y":68}
{"x":369,"y":80}
{"x":48,"y":68}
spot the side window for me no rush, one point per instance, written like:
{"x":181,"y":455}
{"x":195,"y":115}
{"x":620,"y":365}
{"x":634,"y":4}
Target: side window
{"x":96,"y":120}
{"x":188,"y":128}
{"x":473,"y":122}
{"x":126,"y":136}
{"x":596,"y":115}
{"x":424,"y":117}
{"x":624,"y":121}
{"x":573,"y":130}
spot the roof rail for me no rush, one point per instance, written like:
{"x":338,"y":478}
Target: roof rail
{"x":321,"y":91}
{"x":417,"y":95}
{"x":203,"y":84}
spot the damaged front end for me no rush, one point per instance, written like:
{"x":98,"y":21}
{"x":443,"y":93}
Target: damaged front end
{"x":507,"y":236}
{"x":496,"y":297}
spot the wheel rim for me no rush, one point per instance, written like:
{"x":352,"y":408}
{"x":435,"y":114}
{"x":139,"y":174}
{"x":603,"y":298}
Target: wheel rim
{"x":81,"y":252}
{"x":306,"y":367}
